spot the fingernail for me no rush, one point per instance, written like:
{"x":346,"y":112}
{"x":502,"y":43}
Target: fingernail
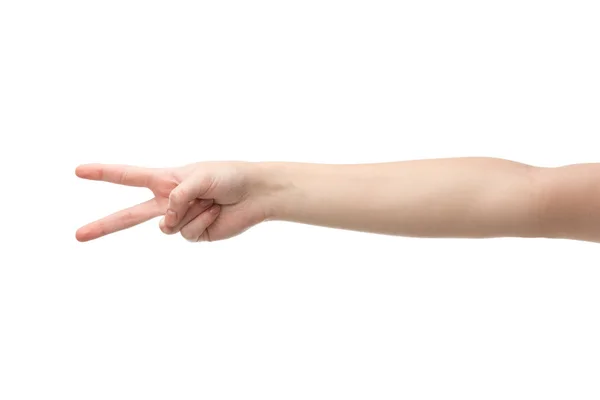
{"x":214,"y":209}
{"x":170,"y":218}
{"x":205,"y":202}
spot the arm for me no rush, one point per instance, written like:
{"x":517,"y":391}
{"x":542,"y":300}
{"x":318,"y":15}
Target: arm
{"x":462,"y":197}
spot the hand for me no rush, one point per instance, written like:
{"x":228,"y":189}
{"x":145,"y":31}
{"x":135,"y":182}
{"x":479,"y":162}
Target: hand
{"x":204,"y":201}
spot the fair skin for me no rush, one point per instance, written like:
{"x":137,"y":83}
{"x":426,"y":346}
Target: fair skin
{"x":460,"y":197}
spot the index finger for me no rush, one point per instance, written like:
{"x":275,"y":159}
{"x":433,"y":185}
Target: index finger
{"x":119,"y":174}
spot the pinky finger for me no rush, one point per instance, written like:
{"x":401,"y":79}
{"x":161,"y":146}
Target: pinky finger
{"x":195,"y":230}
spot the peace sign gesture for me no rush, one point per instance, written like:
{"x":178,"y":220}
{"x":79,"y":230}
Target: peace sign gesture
{"x":204,"y":201}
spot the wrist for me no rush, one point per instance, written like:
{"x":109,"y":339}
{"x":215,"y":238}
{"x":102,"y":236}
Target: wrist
{"x":272,"y":185}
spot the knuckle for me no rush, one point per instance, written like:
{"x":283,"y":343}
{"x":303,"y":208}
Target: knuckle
{"x":102,"y":229}
{"x":124,"y":176}
{"x":205,"y":237}
{"x":210,"y":183}
{"x":164,"y":229}
{"x":187,"y":235}
{"x":178,"y":195}
{"x":127,"y":217}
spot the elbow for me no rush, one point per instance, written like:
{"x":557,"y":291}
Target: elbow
{"x":566,"y":202}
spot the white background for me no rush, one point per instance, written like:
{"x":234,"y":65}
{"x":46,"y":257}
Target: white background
{"x":289,"y":311}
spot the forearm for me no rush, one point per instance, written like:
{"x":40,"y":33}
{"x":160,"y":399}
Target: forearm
{"x":465,"y":197}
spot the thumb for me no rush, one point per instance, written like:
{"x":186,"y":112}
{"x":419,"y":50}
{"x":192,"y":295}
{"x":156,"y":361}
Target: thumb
{"x":196,"y":186}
